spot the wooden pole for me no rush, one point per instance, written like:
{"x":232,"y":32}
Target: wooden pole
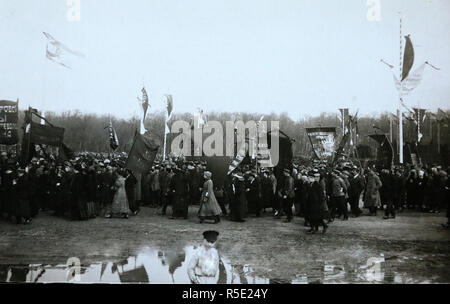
{"x":400,"y":117}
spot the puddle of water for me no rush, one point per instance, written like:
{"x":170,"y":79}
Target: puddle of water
{"x":171,"y":267}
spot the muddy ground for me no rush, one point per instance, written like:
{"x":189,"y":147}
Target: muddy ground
{"x":413,"y":248}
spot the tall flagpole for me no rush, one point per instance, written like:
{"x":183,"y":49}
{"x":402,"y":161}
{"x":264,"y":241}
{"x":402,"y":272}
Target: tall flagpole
{"x":400,"y":112}
{"x":165,"y":137}
{"x":390,"y":127}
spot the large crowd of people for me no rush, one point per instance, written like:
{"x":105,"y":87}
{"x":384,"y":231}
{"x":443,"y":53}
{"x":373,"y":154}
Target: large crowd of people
{"x":92,"y":185}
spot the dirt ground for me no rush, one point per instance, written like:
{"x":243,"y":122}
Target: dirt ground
{"x":413,"y":248}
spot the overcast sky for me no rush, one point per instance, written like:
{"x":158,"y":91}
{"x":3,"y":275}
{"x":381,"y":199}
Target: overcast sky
{"x":303,"y":57}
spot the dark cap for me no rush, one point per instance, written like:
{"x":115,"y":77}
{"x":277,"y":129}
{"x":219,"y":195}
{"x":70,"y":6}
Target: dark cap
{"x":210,"y":235}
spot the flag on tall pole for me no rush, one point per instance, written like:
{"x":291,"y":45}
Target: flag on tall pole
{"x":201,"y":119}
{"x":142,"y":154}
{"x":344,"y":120}
{"x":113,"y":139}
{"x":419,"y":117}
{"x":169,"y":106}
{"x":169,"y":112}
{"x":144,"y":101}
{"x":144,"y":105}
{"x":399,"y":112}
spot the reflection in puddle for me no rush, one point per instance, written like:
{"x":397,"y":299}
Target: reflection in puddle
{"x":149,"y":266}
{"x":171,"y":267}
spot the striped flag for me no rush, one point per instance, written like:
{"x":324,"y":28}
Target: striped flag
{"x":144,"y":105}
{"x":243,"y":151}
{"x":113,"y":139}
{"x":144,"y":101}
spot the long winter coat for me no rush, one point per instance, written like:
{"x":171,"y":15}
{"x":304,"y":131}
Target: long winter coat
{"x":208,"y":203}
{"x":372,"y":194}
{"x":317,"y":204}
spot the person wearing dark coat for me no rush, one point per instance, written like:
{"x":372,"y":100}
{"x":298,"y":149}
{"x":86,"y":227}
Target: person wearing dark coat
{"x":33,"y":192}
{"x":447,"y":198}
{"x":44,"y":189}
{"x":130,"y":185}
{"x":108,"y":187}
{"x":179,"y":186}
{"x":317,"y":205}
{"x":398,"y":186}
{"x":288,"y":195}
{"x":254,"y":194}
{"x":298,"y":196}
{"x":437,"y":189}
{"x":421,"y":190}
{"x":357,"y":185}
{"x":164,"y":181}
{"x":78,"y":206}
{"x":386,"y":193}
{"x":411,"y":189}
{"x":58,"y":206}
{"x":238,"y":201}
{"x":8,"y":191}
{"x":21,"y":203}
{"x":91,"y":189}
{"x":221,"y":196}
{"x":304,"y":205}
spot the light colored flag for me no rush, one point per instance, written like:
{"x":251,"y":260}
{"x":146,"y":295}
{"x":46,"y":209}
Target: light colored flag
{"x":201,"y":119}
{"x":144,"y":107}
{"x":169,"y":112}
{"x":59,"y":53}
{"x":144,"y":102}
{"x":411,"y":82}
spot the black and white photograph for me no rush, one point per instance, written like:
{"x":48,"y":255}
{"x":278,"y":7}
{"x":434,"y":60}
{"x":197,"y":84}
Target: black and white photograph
{"x":224,"y":142}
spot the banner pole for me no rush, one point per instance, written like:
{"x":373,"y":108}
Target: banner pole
{"x":400,"y":117}
{"x":165,"y":138}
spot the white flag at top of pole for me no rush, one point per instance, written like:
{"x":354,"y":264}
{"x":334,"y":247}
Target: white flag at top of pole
{"x":201,"y":119}
{"x":144,"y":107}
{"x":169,"y":112}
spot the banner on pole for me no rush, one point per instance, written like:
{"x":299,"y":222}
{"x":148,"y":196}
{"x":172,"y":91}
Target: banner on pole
{"x":44,"y":134}
{"x":9,"y":116}
{"x":142,"y":154}
{"x":322,"y":140}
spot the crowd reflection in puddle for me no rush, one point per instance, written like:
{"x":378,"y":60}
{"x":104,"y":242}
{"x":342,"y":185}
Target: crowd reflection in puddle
{"x":159,"y":267}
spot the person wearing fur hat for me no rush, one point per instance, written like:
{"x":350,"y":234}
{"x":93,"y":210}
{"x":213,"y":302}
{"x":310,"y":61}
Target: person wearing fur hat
{"x":209,"y":208}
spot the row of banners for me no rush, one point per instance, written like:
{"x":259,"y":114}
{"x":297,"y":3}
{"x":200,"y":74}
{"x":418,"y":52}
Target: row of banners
{"x":322,"y":139}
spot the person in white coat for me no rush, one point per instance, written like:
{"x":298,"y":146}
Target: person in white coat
{"x":203,"y":268}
